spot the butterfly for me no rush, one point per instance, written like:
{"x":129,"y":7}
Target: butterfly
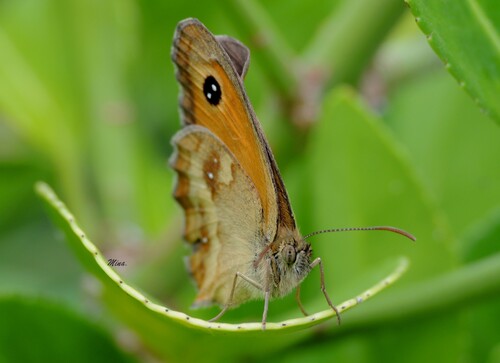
{"x":238,"y":217}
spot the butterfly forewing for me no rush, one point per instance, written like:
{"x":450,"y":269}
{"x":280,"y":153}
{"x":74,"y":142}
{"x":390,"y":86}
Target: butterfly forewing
{"x":198,"y":55}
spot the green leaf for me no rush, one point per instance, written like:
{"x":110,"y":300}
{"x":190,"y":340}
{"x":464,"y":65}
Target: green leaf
{"x":348,"y":37}
{"x":16,"y":191}
{"x":482,"y":320}
{"x":356,"y":174}
{"x":157,"y":324}
{"x":66,"y":92}
{"x":481,"y":240}
{"x":31,"y":261}
{"x":35,"y":330}
{"x":451,"y":145}
{"x":466,"y":36}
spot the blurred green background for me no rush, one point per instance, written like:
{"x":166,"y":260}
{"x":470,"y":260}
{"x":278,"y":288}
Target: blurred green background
{"x":368,"y":126}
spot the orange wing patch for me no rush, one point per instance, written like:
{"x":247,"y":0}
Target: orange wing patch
{"x":198,"y":55}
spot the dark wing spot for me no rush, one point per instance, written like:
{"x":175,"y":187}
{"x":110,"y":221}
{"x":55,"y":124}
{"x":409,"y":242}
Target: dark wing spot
{"x":212,"y":90}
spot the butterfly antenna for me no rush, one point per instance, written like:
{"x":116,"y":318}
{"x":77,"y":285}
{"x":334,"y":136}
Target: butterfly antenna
{"x":374,"y":228}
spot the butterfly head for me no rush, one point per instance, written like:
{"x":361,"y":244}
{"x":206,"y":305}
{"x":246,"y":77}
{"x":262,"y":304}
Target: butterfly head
{"x":290,"y":262}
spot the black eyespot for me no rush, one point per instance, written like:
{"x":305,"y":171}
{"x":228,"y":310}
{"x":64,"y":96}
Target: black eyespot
{"x":212,"y":91}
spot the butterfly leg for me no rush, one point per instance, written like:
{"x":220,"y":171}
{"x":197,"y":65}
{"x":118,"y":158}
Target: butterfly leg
{"x":266,"y":306}
{"x":231,"y":295}
{"x":297,"y":297}
{"x":315,"y":263}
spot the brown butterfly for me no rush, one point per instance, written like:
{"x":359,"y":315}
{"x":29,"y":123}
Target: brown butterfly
{"x":238,"y":217}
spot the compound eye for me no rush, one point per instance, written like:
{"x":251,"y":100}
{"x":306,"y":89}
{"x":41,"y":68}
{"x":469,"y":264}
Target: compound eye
{"x":289,"y":254}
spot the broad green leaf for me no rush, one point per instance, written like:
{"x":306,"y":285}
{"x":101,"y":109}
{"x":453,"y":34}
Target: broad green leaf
{"x":356,"y":174}
{"x":480,"y":241}
{"x":384,"y":344}
{"x":16,"y":190}
{"x":31,"y":261}
{"x":66,"y":92}
{"x":35,"y":330}
{"x":37,"y":88}
{"x":466,"y":36}
{"x":453,"y":147}
{"x":157,"y":324}
{"x":482,"y":319}
{"x":391,"y":326}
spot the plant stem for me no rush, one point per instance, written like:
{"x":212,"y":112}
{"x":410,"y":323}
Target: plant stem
{"x":273,"y":51}
{"x":32,"y":109}
{"x":350,"y":36}
{"x":109,"y":125}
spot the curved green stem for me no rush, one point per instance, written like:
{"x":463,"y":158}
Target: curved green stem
{"x":272,"y":49}
{"x":350,"y":35}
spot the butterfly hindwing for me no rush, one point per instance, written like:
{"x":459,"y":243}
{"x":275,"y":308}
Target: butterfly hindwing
{"x":223,"y":233}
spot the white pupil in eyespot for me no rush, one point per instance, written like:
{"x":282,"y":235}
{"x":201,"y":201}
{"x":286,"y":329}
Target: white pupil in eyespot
{"x":214,"y":88}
